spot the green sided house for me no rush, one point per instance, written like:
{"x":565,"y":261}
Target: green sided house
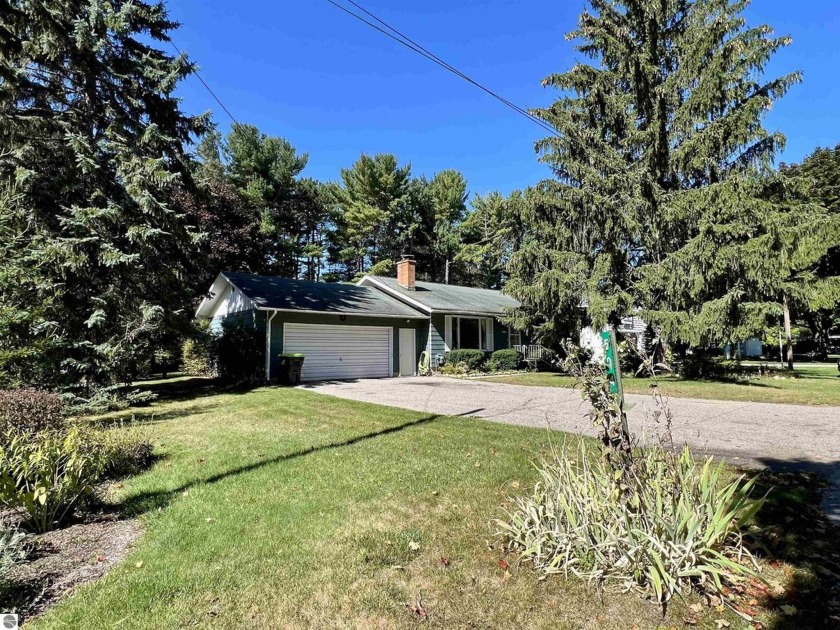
{"x":376,"y":328}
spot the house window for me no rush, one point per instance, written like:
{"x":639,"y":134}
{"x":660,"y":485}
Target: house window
{"x":515,"y":338}
{"x":469,"y":333}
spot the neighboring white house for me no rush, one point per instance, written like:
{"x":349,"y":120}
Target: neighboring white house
{"x":591,"y":338}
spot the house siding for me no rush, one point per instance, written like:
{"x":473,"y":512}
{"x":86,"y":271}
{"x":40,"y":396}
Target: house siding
{"x":420,"y":336}
{"x":438,"y":331}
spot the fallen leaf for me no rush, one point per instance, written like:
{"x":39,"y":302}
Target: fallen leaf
{"x":722,"y":623}
{"x":698,"y":607}
{"x":506,"y":575}
{"x":478,"y":464}
{"x":100,"y":558}
{"x":514,"y":484}
{"x":434,"y":493}
{"x":209,"y":519}
{"x":414,"y":546}
{"x":398,"y":567}
{"x":444,"y":561}
{"x":788,"y":610}
{"x":503,"y":565}
{"x":139,"y":564}
{"x":690,"y":620}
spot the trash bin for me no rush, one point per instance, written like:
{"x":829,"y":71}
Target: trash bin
{"x":291,"y":365}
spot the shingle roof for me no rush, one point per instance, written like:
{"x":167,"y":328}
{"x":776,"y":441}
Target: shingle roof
{"x":345,"y":299}
{"x":450,"y":298}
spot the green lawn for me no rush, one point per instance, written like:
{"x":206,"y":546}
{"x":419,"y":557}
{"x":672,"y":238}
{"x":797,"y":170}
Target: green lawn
{"x":819,"y":384}
{"x":282,"y":508}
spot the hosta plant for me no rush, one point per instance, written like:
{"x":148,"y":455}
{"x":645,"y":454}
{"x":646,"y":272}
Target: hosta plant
{"x":669,"y":525}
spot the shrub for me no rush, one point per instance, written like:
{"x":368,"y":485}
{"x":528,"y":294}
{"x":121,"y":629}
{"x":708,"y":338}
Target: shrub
{"x":12,"y":550}
{"x":240,"y":352}
{"x":126,"y":449}
{"x":110,"y":398}
{"x":507,"y":359}
{"x":454,"y":369}
{"x":30,"y":410}
{"x":46,"y":473}
{"x":473,"y":359}
{"x":196,"y":358}
{"x":197,"y":352}
{"x":668,"y":525}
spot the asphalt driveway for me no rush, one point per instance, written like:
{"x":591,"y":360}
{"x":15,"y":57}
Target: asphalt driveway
{"x":750,"y":434}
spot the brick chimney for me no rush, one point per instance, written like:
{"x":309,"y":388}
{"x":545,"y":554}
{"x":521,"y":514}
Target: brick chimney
{"x":405,"y":272}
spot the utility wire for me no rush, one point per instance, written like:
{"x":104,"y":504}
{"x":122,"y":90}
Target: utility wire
{"x":207,"y":87}
{"x":399,"y":37}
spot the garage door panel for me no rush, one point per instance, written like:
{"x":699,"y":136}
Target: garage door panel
{"x":340,"y":352}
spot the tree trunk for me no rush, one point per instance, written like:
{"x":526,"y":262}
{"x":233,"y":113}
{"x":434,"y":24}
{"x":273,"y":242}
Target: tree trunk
{"x":788,"y":334}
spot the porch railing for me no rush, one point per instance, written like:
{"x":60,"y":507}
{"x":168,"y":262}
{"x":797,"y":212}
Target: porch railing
{"x":535,"y":354}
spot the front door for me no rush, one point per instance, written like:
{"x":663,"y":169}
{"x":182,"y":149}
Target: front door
{"x":408,"y":362}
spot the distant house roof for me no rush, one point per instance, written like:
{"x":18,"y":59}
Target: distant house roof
{"x":286,"y":294}
{"x":446,"y":298}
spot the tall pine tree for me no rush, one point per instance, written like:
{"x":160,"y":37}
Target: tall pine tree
{"x":659,"y":147}
{"x":375,"y":218}
{"x":91,"y":149}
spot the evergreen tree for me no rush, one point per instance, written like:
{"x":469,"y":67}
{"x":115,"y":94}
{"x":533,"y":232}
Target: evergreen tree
{"x":448,"y":192}
{"x":488,"y":234}
{"x":290,"y":212}
{"x":659,"y":147}
{"x":817,"y":180}
{"x":374,"y":217}
{"x":91,"y":150}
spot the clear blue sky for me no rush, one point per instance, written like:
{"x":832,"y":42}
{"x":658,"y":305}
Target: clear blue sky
{"x":335,"y":88}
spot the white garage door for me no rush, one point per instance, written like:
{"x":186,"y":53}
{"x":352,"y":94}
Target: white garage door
{"x":340,"y":352}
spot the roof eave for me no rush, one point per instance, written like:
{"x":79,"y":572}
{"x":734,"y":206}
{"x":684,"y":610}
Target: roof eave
{"x":345,"y":313}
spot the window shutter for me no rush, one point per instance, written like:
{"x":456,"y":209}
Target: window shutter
{"x":489,"y":334}
{"x":447,"y":334}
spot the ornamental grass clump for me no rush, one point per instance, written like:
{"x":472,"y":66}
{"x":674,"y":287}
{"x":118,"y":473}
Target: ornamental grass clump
{"x":647,"y":519}
{"x":669,"y":525}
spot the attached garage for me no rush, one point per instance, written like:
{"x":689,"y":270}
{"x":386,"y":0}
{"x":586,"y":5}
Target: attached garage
{"x":336,"y":352}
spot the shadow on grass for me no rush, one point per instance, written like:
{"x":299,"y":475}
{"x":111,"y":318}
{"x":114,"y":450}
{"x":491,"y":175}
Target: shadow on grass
{"x":145,"y":502}
{"x":193,"y":387}
{"x":150,"y":415}
{"x":797,"y":532}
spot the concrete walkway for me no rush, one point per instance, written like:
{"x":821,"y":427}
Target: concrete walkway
{"x":749,"y":434}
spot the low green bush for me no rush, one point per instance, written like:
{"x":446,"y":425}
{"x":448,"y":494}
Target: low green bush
{"x":506,"y":359}
{"x":126,"y":449}
{"x":666,"y":525}
{"x":197,"y":352}
{"x":12,"y":550}
{"x":473,"y":359}
{"x":108,"y":398}
{"x":240,"y":353}
{"x":30,"y":410}
{"x":46,"y":473}
{"x":454,"y":369}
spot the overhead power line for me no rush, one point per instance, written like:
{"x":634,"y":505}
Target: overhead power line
{"x":409,"y":43}
{"x":207,"y":87}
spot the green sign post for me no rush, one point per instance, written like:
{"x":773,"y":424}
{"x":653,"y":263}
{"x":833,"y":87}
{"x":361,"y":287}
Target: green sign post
{"x":612,"y":364}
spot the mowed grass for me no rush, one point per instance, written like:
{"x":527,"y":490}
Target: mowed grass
{"x":818,"y":384}
{"x":281,"y":508}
